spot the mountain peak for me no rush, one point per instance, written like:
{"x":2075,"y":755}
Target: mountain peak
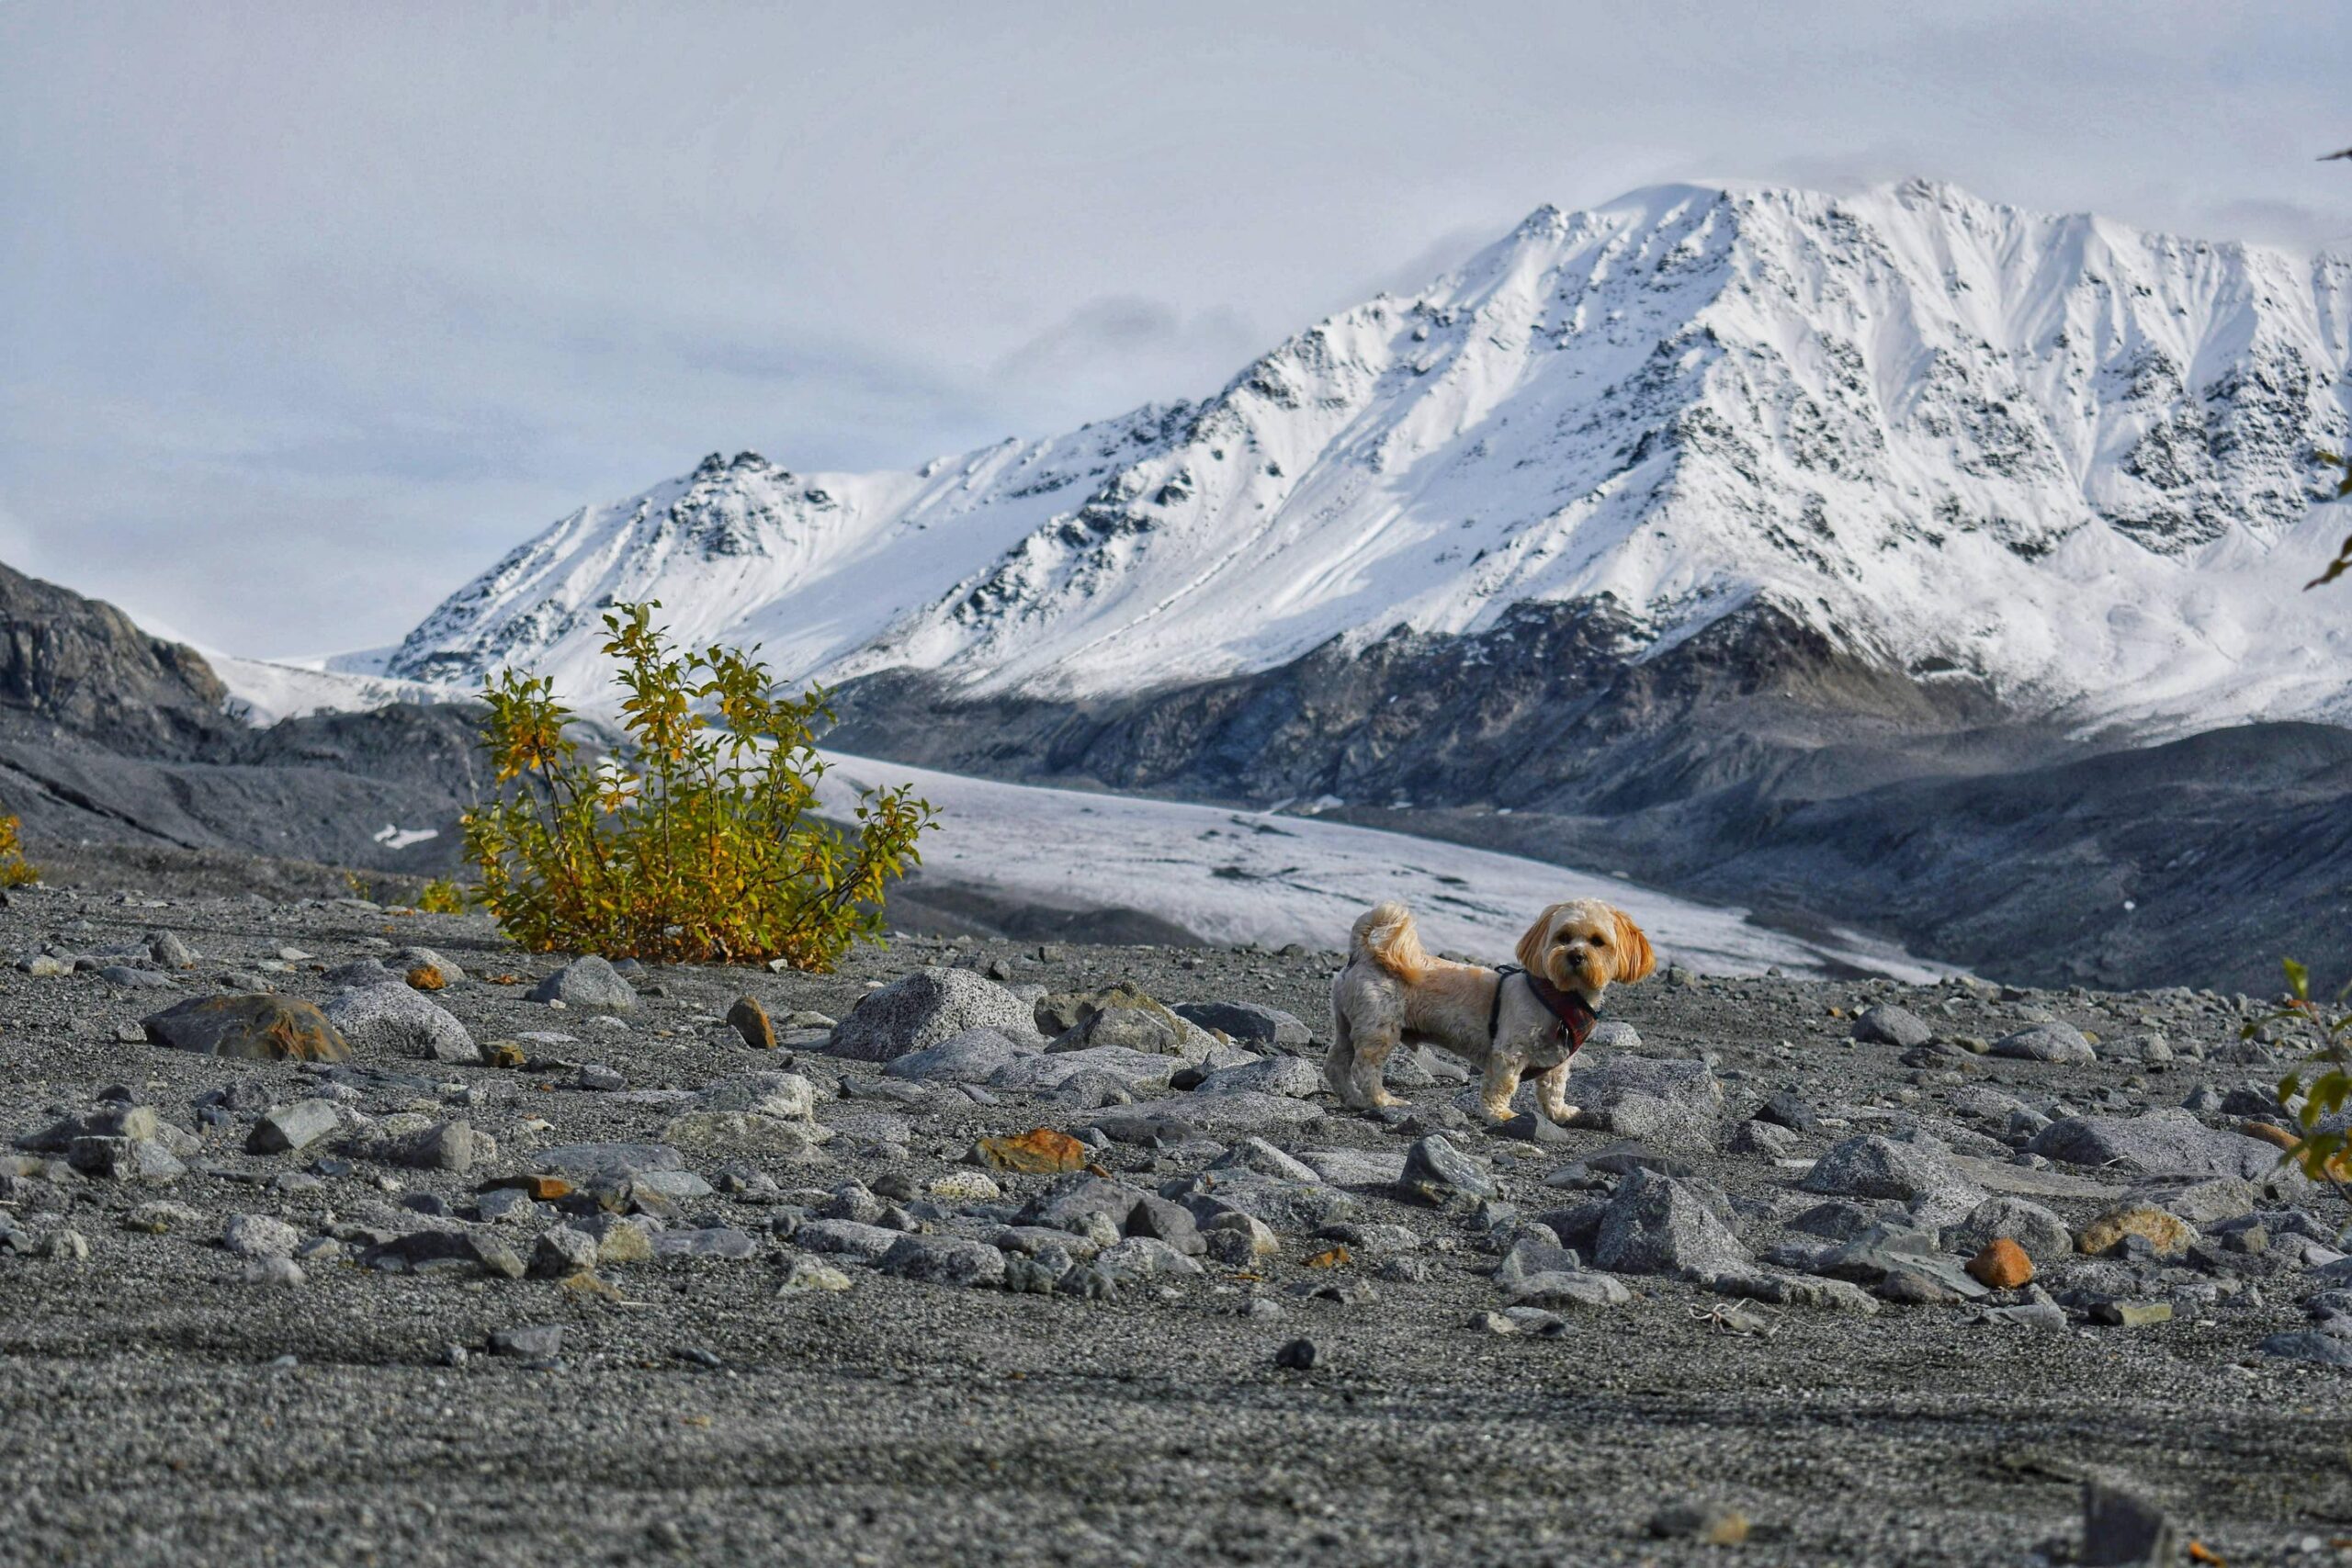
{"x":1936,"y":430}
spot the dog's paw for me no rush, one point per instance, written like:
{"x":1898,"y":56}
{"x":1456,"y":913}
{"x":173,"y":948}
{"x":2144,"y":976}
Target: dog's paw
{"x":1562,"y":1115}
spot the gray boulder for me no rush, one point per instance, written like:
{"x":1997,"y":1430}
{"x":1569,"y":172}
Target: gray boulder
{"x":290,"y":1128}
{"x":1248,"y":1023}
{"x":1577,"y":1288}
{"x":1881,"y":1168}
{"x":973,"y":1056}
{"x":589,"y":985}
{"x":2046,"y":1042}
{"x":1890,"y":1026}
{"x":1673,"y":1104}
{"x":1659,"y":1224}
{"x":943,"y":1260}
{"x":1241,"y":1111}
{"x":392,"y":1017}
{"x":2042,"y":1234}
{"x":929,"y":1008}
{"x":2167,"y":1142}
{"x":1288,"y":1076}
{"x":1437,"y":1173}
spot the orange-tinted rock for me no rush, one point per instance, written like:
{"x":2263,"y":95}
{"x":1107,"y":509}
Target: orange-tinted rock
{"x":254,"y":1027}
{"x":1041,"y":1151}
{"x":426,"y":977}
{"x":2168,"y":1234}
{"x":2003,"y":1265}
{"x":750,"y":1021}
{"x":504,"y":1053}
{"x":1330,"y":1258}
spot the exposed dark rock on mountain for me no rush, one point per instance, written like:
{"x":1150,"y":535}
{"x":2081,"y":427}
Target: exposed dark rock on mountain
{"x":80,"y":666}
{"x":1757,"y":764}
{"x":110,"y":736}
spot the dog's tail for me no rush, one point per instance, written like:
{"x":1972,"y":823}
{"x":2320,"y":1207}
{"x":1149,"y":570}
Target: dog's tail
{"x":1385,"y":934}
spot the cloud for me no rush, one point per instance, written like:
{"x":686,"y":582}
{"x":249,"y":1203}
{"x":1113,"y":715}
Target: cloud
{"x":325,"y":308}
{"x":1107,"y":338}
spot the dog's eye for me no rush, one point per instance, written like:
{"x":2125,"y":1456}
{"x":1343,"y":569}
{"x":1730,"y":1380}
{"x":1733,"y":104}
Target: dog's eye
{"x":1600,"y":942}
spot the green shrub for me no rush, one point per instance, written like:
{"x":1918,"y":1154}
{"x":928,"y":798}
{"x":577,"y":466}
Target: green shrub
{"x":2317,"y":1086}
{"x":442,"y":896}
{"x":696,"y":842}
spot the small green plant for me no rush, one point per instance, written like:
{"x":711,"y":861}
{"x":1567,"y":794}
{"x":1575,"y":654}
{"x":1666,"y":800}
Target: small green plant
{"x":698,"y":841}
{"x":2342,"y":562}
{"x":442,"y":896}
{"x":16,"y":871}
{"x":2317,"y":1087}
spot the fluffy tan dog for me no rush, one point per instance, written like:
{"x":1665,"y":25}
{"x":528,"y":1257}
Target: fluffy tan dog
{"x":1504,"y":1024}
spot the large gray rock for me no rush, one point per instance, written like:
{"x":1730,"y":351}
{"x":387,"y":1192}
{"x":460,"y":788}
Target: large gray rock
{"x":2047,"y":1042}
{"x":926,"y":1009}
{"x":1068,"y":1201}
{"x":1248,"y":1023}
{"x":1140,"y":1258}
{"x":1246,"y":1111}
{"x":2042,"y":1234}
{"x":1438,"y":1173}
{"x":1289,"y":1076}
{"x":588,"y":984}
{"x":1288,"y":1207}
{"x":973,"y":1056}
{"x":290,"y":1128}
{"x":1673,"y":1104}
{"x":943,"y":1260}
{"x":392,"y":1017}
{"x":1124,"y":1028}
{"x":1888,"y":1249}
{"x":1882,"y":1168}
{"x":1890,"y":1026}
{"x":1659,"y":1224}
{"x":2167,"y":1142}
{"x":1130,"y":1069}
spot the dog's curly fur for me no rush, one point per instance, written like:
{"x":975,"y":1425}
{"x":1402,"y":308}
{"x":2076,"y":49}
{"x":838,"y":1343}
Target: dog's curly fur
{"x":1393,"y":992}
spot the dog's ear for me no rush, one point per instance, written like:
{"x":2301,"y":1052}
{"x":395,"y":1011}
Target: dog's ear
{"x":1531,"y":946}
{"x":1634,"y":958}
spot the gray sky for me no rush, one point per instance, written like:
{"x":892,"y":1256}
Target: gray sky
{"x":310,"y":312}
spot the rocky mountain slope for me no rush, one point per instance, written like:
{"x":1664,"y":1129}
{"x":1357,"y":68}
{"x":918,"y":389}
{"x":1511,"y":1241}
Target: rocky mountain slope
{"x":2053,"y":457}
{"x":111,"y":736}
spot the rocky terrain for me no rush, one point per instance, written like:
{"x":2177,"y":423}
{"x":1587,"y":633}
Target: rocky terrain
{"x":336,"y":1232}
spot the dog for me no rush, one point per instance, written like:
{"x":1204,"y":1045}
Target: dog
{"x":1505,"y":1024}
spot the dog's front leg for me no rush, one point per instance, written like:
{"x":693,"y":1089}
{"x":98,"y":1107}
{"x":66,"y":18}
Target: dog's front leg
{"x":1552,"y":1093}
{"x":1501,"y":1083}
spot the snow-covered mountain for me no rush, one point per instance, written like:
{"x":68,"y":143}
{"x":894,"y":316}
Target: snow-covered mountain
{"x":2069,"y":458}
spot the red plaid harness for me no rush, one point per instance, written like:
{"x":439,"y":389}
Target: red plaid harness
{"x":1572,"y":1016}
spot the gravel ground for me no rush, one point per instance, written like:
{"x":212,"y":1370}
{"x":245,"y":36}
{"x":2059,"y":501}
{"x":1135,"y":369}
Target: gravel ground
{"x":171,"y":1402}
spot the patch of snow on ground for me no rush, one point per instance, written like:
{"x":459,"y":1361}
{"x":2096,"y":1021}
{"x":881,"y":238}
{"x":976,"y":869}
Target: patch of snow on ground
{"x":1234,"y":876}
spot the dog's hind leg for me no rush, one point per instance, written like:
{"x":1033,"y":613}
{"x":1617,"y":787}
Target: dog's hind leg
{"x":1339,"y":1062}
{"x":1552,"y":1093}
{"x":1372,"y":1049}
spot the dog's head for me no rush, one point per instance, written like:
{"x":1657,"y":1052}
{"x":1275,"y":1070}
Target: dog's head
{"x":1585,"y":944}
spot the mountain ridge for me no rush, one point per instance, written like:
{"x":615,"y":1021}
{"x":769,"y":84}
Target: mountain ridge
{"x":1931,"y":427}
